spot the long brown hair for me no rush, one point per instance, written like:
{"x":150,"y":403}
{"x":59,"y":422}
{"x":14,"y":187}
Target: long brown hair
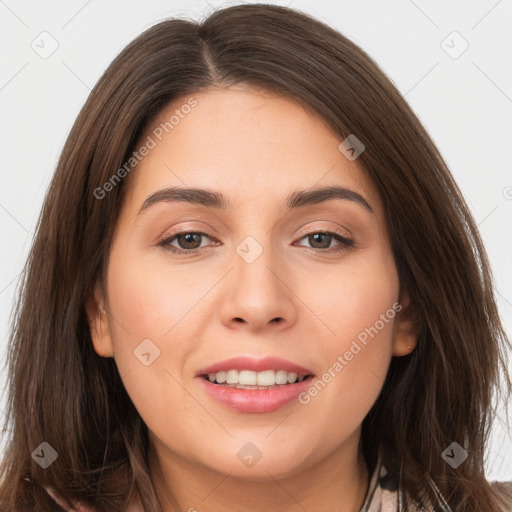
{"x":61,"y":392}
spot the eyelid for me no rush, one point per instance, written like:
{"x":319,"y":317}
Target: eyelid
{"x":345,"y":234}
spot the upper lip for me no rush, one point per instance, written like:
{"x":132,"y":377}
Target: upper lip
{"x":255,"y":365}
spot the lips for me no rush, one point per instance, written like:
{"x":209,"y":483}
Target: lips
{"x":262,"y":400}
{"x":255,"y":365}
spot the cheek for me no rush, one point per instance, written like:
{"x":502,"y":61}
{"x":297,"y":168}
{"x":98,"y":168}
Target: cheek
{"x":351,"y":296}
{"x":148,"y":325}
{"x":359,"y":306}
{"x":148,"y":298}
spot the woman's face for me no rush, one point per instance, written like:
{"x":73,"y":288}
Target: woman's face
{"x":264,"y":279}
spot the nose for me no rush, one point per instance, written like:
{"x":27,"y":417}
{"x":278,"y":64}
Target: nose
{"x":258,"y":295}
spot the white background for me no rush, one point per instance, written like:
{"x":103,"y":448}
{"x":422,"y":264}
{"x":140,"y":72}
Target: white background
{"x":465,"y":103}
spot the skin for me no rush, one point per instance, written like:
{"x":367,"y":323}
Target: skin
{"x":256,"y":148}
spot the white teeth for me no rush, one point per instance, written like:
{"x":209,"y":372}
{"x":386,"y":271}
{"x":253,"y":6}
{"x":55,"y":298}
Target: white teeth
{"x":232,"y":377}
{"x":252,"y":379}
{"x":266,"y":378}
{"x":247,"y":378}
{"x":282,"y":377}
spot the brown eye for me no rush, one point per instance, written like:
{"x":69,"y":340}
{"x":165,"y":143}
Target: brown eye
{"x":321,"y":240}
{"x":188,"y":242}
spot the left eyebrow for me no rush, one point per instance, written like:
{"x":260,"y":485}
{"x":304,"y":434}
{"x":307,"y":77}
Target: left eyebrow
{"x":213,"y":199}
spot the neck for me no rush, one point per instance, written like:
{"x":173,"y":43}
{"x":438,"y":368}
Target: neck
{"x":338,"y":482}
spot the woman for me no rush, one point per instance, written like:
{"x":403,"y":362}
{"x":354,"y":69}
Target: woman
{"x":352,"y":371}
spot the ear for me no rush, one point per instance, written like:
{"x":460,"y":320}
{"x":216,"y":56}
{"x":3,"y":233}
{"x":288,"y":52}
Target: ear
{"x":406,"y":329}
{"x":99,"y":321}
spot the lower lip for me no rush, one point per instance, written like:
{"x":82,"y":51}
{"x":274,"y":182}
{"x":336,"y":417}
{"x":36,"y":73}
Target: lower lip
{"x":255,"y":400}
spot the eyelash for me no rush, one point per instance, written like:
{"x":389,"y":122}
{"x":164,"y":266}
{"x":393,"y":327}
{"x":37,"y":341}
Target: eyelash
{"x":346,"y":243}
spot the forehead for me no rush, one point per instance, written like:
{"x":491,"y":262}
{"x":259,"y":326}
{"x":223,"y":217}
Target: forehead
{"x":251,"y":144}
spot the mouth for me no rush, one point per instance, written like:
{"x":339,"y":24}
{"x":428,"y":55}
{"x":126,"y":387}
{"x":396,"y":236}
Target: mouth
{"x":254,"y":385}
